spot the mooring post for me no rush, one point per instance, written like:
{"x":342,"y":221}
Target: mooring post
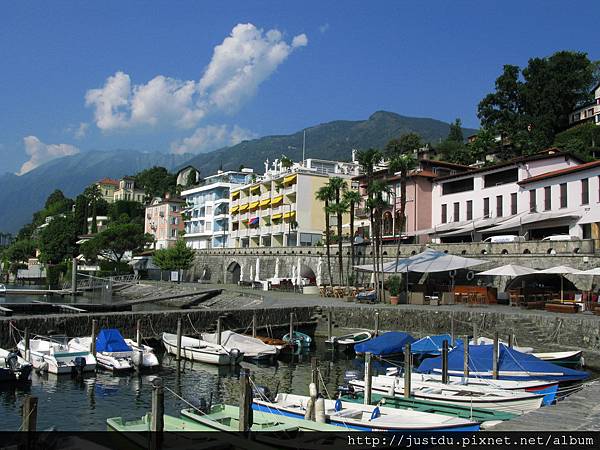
{"x":219,"y":330}
{"x":466,"y":359}
{"x":445,"y":362}
{"x":94,"y":332}
{"x":329,"y":324}
{"x":376,"y":331}
{"x":495,"y":357}
{"x":407,"y":370}
{"x":314,"y":370}
{"x":368,"y":378}
{"x":29,"y":414}
{"x":157,"y":424}
{"x":27,"y":344}
{"x":245,"y":419}
{"x":474,"y":333}
{"x":452,"y":328}
{"x":291,"y":327}
{"x":178,"y":354}
{"x":511,"y":340}
{"x":138,"y":332}
{"x":310,"y":404}
{"x":74,"y":276}
{"x":254,"y":324}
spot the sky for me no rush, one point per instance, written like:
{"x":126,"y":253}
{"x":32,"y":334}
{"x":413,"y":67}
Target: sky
{"x":192,"y":76}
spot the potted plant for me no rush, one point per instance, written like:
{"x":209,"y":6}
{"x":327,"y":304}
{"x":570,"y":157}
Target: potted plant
{"x":394,"y":287}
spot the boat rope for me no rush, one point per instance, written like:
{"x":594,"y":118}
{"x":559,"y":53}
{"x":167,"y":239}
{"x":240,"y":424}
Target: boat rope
{"x":196,"y":332}
{"x":152,"y":328}
{"x":30,"y":412}
{"x":323,"y":383}
{"x":184,"y":400}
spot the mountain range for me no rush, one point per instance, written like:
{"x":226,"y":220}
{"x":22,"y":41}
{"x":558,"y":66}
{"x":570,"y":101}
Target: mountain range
{"x":21,"y":196}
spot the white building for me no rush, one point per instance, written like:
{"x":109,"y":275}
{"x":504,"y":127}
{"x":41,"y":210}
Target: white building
{"x":279,"y":209}
{"x":206,"y":216}
{"x":491,"y":201}
{"x":589,"y":112}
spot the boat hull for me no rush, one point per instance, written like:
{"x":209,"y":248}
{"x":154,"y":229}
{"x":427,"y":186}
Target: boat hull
{"x":204,"y":355}
{"x":572,"y":359}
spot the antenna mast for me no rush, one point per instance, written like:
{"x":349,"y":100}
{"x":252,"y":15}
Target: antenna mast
{"x":303,"y":147}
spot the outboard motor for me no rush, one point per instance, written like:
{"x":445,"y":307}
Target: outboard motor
{"x":261,"y":392}
{"x":351,"y":375}
{"x":12,"y":361}
{"x":79,"y":366}
{"x":235,"y":354}
{"x":202,"y":406}
{"x":346,"y":390}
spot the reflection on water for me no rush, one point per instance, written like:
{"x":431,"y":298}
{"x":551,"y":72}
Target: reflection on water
{"x":84,"y":404}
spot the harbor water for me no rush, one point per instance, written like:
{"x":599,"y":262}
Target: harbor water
{"x":71,"y":404}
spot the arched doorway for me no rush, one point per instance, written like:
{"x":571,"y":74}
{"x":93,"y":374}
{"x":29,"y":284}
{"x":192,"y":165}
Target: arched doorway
{"x":233,"y":273}
{"x":307,"y":272}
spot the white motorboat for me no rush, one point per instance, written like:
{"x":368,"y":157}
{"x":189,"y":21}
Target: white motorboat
{"x":13,"y":367}
{"x":54,"y":356}
{"x":143,"y":355}
{"x":516,"y":402}
{"x":357,"y":416}
{"x":487,"y":341}
{"x":115,"y":361}
{"x":252,"y":348}
{"x":202,"y":351}
{"x":348,"y":341}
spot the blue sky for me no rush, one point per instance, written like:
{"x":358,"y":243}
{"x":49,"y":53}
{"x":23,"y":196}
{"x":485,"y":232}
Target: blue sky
{"x":154,"y":80}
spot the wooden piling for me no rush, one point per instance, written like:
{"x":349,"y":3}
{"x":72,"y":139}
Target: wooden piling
{"x":29,"y":414}
{"x":407,"y":370}
{"x":219,"y":330}
{"x":291,"y":333}
{"x":157,"y":423}
{"x":445,"y":362}
{"x":138,"y":332}
{"x":178,"y":353}
{"x":511,"y":340}
{"x":376,"y":331}
{"x":495,"y":357}
{"x":329,"y":323}
{"x":26,"y":344}
{"x":245,"y":419}
{"x":254,"y":324}
{"x":314,"y":370}
{"x":94,"y":332}
{"x":368,"y":379}
{"x":466,"y":358}
{"x":474,"y":333}
{"x":452,"y":328}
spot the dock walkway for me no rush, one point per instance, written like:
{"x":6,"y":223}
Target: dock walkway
{"x":578,"y":412}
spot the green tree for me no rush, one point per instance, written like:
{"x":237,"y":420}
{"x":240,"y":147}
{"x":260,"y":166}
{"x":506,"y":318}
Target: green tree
{"x":352,"y":199}
{"x":455,"y":134}
{"x":583,"y":140}
{"x":115,"y":241}
{"x":80,"y":213}
{"x":326,"y":195}
{"x":134,"y":211}
{"x":156,"y":181}
{"x":339,"y":208}
{"x":94,"y":196}
{"x":286,"y":162}
{"x":192,"y":179}
{"x":57,"y":241}
{"x":20,"y":251}
{"x":406,"y":143}
{"x":179,"y":257}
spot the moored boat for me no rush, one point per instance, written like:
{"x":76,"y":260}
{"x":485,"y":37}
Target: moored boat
{"x":388,"y":344}
{"x":348,"y":341}
{"x":298,"y":339}
{"x":202,"y":351}
{"x":142,"y":355}
{"x":54,"y":356}
{"x":112,"y":352}
{"x":13,"y":367}
{"x":366,"y":417}
{"x":573,"y":358}
{"x":252,"y":348}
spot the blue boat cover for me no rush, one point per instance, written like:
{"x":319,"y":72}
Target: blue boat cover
{"x":431,"y":345}
{"x":110,"y":340}
{"x":524,"y":365}
{"x":387,"y":344}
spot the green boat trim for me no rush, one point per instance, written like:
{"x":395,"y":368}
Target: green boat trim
{"x":464,"y":412}
{"x":226,"y":418}
{"x":142,"y":425}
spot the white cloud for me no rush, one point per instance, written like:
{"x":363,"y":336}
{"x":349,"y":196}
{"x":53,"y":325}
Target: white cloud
{"x":323,"y":28}
{"x":245,"y":59}
{"x":211,"y":137}
{"x":39,"y":153}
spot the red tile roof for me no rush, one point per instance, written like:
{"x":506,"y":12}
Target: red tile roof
{"x":109,"y":181}
{"x":559,"y":172}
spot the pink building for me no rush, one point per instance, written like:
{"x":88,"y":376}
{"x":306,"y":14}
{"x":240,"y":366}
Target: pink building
{"x":419,"y":189}
{"x":164,"y":221}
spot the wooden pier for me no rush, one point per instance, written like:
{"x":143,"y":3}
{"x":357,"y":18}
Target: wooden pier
{"x":580,"y":411}
{"x":13,"y":291}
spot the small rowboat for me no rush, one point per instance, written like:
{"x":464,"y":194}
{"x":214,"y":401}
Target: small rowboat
{"x":300,"y":340}
{"x":202,"y":351}
{"x":566,"y":359}
{"x":348,"y":341}
{"x":280,"y":344}
{"x":486,"y":417}
{"x":366,"y":417}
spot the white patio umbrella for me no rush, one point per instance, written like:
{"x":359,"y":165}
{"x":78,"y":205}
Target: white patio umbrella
{"x":276,"y":268}
{"x":251,"y":272}
{"x":257,"y":274}
{"x":562,"y":271}
{"x":319,"y":270}
{"x":293,"y":275}
{"x":298,"y":272}
{"x":428,"y":261}
{"x":509,"y":270}
{"x":592,"y":272}
{"x":242,"y":272}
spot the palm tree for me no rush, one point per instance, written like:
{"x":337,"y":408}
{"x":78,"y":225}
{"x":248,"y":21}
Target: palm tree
{"x":377,"y":204}
{"x":325,"y":195}
{"x":94,"y":195}
{"x":286,"y":162}
{"x":351,"y":198}
{"x":338,"y":186}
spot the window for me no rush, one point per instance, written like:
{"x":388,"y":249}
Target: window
{"x":486,"y":207}
{"x":452,"y":187}
{"x":563,"y":195}
{"x":173,"y":232}
{"x":532,"y":201}
{"x":503,"y":177}
{"x":469,"y":209}
{"x":456,"y":211}
{"x":499,"y":212}
{"x":586,"y":230}
{"x":585,"y":191}
{"x":513,"y":203}
{"x":547,"y":198}
{"x":444,"y":213}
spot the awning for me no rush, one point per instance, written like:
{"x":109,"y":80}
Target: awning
{"x":276,"y":216}
{"x":289,"y":214}
{"x":290,"y":178}
{"x":243,"y":207}
{"x":517,"y":221}
{"x":265,"y":202}
{"x":358,"y":223}
{"x":253,"y":205}
{"x":477,"y":225}
{"x":277,"y":200}
{"x":235,"y":194}
{"x":428,"y":261}
{"x":234,"y":209}
{"x":254,"y":188}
